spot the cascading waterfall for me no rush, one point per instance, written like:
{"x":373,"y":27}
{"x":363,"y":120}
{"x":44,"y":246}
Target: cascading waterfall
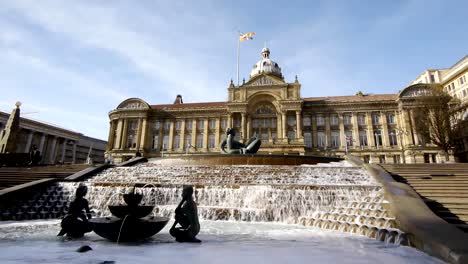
{"x":335,"y":196}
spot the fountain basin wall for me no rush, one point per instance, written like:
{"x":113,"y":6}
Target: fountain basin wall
{"x":219,"y":159}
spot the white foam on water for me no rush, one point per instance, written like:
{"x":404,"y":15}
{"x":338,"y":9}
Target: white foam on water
{"x":223,"y":242}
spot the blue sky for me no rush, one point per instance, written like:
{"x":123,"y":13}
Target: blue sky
{"x":71,"y":62}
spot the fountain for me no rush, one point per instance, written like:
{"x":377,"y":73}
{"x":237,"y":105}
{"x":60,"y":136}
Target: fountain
{"x":276,"y":207}
{"x":130,"y":222}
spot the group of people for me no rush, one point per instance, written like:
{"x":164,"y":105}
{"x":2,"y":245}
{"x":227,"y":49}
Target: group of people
{"x":185,"y":228}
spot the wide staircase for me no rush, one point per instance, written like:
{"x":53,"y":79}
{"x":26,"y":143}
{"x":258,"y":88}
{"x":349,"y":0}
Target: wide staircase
{"x":12,"y":176}
{"x":443,"y":187}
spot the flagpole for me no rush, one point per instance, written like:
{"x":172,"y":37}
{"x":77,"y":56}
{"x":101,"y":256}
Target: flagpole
{"x":238,"y":52}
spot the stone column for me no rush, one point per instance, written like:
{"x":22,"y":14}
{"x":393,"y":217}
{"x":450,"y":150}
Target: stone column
{"x":118,"y":138}
{"x":194,"y":133}
{"x":342,"y":131}
{"x":28,"y":144}
{"x":53,"y":150}
{"x":74,"y":153}
{"x":182,"y":135}
{"x":41,"y":145}
{"x":313,"y":120}
{"x":355,"y":124}
{"x":64,"y":148}
{"x":409,"y":139}
{"x":139,"y":132}
{"x":284,"y":126}
{"x":144,"y":135}
{"x":249,"y":127}
{"x":413,"y":128}
{"x":370,"y":130}
{"x":205,"y":134}
{"x":218,"y":132}
{"x":298,"y":125}
{"x":243,"y":121}
{"x":171,"y":136}
{"x":327,"y":131}
{"x":229,"y":120}
{"x":123,"y":145}
{"x":385,"y":139}
{"x":110,"y":139}
{"x":279,"y":126}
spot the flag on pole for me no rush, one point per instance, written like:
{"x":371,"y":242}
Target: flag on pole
{"x":246,"y":36}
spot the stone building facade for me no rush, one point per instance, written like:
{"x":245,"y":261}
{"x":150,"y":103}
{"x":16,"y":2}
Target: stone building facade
{"x":378,"y":128}
{"x":56,"y":144}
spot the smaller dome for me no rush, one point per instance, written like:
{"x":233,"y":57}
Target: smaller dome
{"x":266,"y":65}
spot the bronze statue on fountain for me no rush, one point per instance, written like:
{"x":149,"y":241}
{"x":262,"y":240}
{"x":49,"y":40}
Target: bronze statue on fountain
{"x":232,"y":146}
{"x":75,"y":224}
{"x":186,"y":216}
{"x":130,"y":222}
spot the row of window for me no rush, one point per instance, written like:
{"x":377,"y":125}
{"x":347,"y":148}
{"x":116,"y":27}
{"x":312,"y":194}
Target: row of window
{"x":335,"y":139}
{"x":188,"y":124}
{"x":187,"y":144}
{"x":347,"y":119}
{"x":451,"y":86}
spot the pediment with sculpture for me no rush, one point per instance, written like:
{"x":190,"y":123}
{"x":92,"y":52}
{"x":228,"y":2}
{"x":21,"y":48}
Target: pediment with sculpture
{"x":416,"y":90}
{"x":133,"y":103}
{"x":264,"y":80}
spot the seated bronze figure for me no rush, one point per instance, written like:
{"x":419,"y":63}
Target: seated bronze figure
{"x":232,"y":146}
{"x":186,"y":215}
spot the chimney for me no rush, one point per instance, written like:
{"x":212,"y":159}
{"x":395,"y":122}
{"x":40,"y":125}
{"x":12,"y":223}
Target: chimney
{"x":178,"y":99}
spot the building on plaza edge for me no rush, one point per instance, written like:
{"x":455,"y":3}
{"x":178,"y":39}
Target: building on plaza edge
{"x":56,"y":144}
{"x":378,"y":128}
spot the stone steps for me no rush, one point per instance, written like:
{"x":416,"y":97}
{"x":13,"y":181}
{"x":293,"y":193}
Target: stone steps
{"x":443,"y":187}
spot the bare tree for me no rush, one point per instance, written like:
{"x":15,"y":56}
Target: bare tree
{"x":435,"y":118}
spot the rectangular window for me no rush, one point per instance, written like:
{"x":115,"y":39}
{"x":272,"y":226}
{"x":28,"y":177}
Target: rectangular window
{"x":335,"y":139}
{"x":432,"y":78}
{"x":188,"y":141}
{"x":321,"y":139}
{"x":306,"y":121}
{"x":378,"y":138}
{"x":167,"y":125}
{"x":291,"y":120}
{"x":308,"y":139}
{"x":347,"y":119}
{"x":334,"y":120}
{"x":255,"y":123}
{"x":320,"y":121}
{"x":363,"y":138}
{"x":155,"y":141}
{"x":391,"y":118}
{"x":178,"y":124}
{"x":199,"y":141}
{"x":349,"y":138}
{"x":392,"y":137}
{"x":291,"y":134}
{"x":264,"y":122}
{"x":200,"y":124}
{"x":157,"y":125}
{"x":188,"y":124}
{"x":176,"y":142}
{"x":212,"y":123}
{"x":165,"y":142}
{"x":375,"y":119}
{"x":273,"y":135}
{"x":223,"y":124}
{"x":237,"y":122}
{"x":273,"y":123}
{"x":211,"y":141}
{"x":361,"y":119}
{"x":461,"y":80}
